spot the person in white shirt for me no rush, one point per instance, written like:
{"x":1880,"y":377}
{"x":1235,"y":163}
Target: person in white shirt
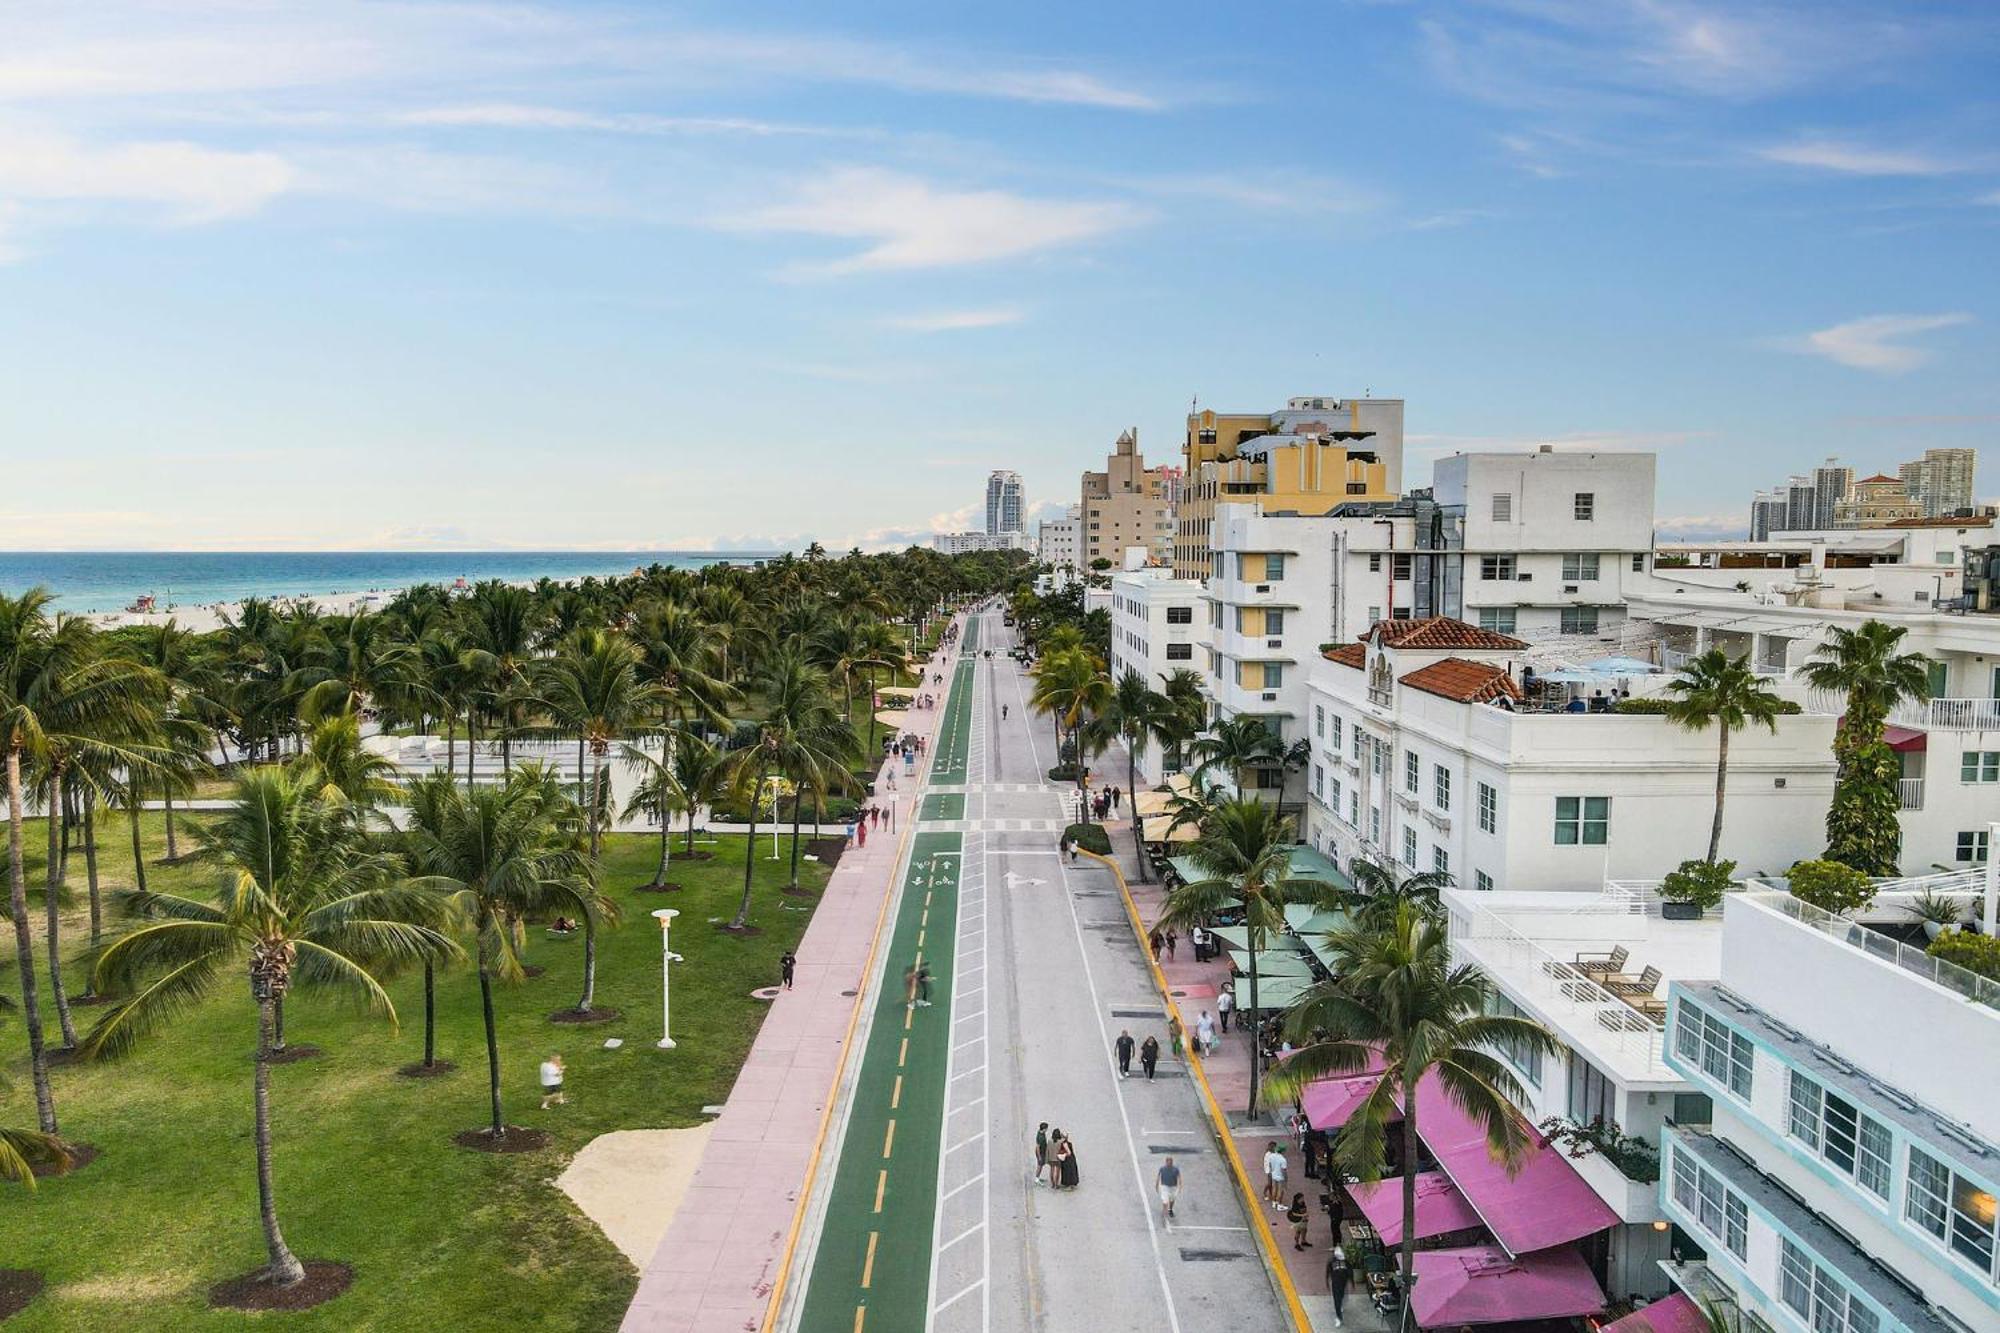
{"x":1204,"y":1032}
{"x":552,"y":1082}
{"x":1274,"y":1174}
{"x":1225,"y":1003}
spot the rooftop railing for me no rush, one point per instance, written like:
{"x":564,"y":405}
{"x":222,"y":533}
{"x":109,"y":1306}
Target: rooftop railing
{"x":1909,"y":958}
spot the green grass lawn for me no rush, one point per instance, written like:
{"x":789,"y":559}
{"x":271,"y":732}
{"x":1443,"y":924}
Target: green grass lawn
{"x":439,"y":1237}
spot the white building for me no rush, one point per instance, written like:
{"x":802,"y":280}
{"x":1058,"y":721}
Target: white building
{"x":1413,"y":762}
{"x":1846,"y":1178}
{"x":958,"y":543}
{"x":1005,"y":506}
{"x":1158,"y":623}
{"x":1059,"y":545}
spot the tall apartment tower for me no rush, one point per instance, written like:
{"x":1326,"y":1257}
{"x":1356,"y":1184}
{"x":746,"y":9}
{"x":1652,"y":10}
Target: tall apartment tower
{"x":1940,"y":481}
{"x":1767,"y":515}
{"x":1126,"y":506}
{"x":1831,"y":485}
{"x":1003,"y":503}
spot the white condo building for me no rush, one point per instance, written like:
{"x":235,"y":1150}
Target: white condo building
{"x":959,"y":543}
{"x":1158,"y":624}
{"x":1059,"y":545}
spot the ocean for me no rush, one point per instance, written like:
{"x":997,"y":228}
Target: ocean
{"x":95,"y":581}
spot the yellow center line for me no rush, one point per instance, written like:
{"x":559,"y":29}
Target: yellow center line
{"x":920,"y":939}
{"x":881,"y":1184}
{"x":902,"y":1053}
{"x":868,"y":1265}
{"x":889,"y":1140}
{"x":908,"y":1014}
{"x":860,"y":1313}
{"x":896,"y":1095}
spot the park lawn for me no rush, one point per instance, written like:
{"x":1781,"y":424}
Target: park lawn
{"x":439,"y":1237}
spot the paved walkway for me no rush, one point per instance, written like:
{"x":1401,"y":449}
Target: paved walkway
{"x":716,"y":1267}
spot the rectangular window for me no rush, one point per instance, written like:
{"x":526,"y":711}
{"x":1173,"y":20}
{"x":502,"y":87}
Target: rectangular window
{"x":1718,"y":1050}
{"x":1333,"y":796}
{"x":1583,"y":821}
{"x":1496,"y":569}
{"x":1972,"y":847}
{"x":1579,"y":620}
{"x":1840,"y":1133}
{"x":1592,"y":1094}
{"x":1400,"y":569}
{"x":1499,"y":619}
{"x":1441,"y":786}
{"x":1354,"y":808}
{"x":1274,"y":623}
{"x":1639,"y":562}
{"x":1410,"y":848}
{"x":1319,"y":720}
{"x":1412,"y":771}
{"x":1527,"y":1059}
{"x":1319,"y":782}
{"x":1359,"y":736}
{"x":1580,"y":568}
{"x":1952,"y":1210}
{"x":1503,"y":507}
{"x":1717,"y":1209}
{"x":1586,"y":506}
{"x":1271,"y":778}
{"x":1489,"y":809}
{"x":1979,"y":765}
{"x":1333,"y":736}
{"x":1180,"y":615}
{"x":1811,"y":1292}
{"x":1440,"y":860}
{"x":1180,"y":652}
{"x":1374,"y":563}
{"x":1274,"y":675}
{"x":1482,"y":881}
{"x":1375,"y":825}
{"x":1274,"y":567}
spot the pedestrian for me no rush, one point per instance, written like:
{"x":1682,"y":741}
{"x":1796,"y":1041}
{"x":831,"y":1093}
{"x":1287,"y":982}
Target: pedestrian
{"x":1149,"y":1055}
{"x":910,"y":986}
{"x":1066,"y":1160}
{"x":1309,"y":1147}
{"x":1041,"y":1151}
{"x":861,"y":832}
{"x":1157,"y":941}
{"x":1225,"y":1003}
{"x":1274,"y":1173}
{"x":1171,"y":938}
{"x":1300,"y":1217}
{"x":1124,"y":1046}
{"x":850,"y":833}
{"x":1338,"y":1275}
{"x":1199,"y":939}
{"x":1072,"y":851}
{"x":1169,"y":1178}
{"x":1174,"y":1036}
{"x":552,"y":1082}
{"x":1204,"y":1033}
{"x":1299,"y":1125}
{"x":787,"y":963}
{"x":923,"y":985}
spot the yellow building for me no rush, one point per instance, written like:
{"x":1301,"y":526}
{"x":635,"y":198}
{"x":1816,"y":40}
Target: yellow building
{"x":1876,"y":502}
{"x":1125,"y":506}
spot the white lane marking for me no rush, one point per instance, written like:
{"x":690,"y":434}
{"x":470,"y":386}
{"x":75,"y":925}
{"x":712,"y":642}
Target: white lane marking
{"x":967,"y":1143}
{"x":939,"y":1307}
{"x":966,"y":1234}
{"x":959,"y":1189}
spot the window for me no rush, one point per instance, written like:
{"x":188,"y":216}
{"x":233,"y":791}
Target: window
{"x":1846,"y":1138}
{"x":1482,"y":881}
{"x":1716,"y":1209}
{"x":1180,"y":652}
{"x":1319,"y":782}
{"x":1711,"y":1045}
{"x":1274,"y":567}
{"x":1586,"y":506}
{"x":1580,"y":568}
{"x":1499,"y":619}
{"x":1399,"y":568}
{"x":1333,"y":796}
{"x":1811,"y":1293}
{"x":1412,"y":768}
{"x":1503,"y":507}
{"x":1333,"y":736}
{"x":1440,"y":860}
{"x":1319,"y":719}
{"x":1354,"y":808}
{"x":1951,"y":1209}
{"x":1374,"y":564}
{"x":1639,"y":562}
{"x":1579,"y":620}
{"x":1410,"y":848}
{"x":1972,"y":847}
{"x":1489,"y":809}
{"x":1496,"y":569}
{"x":1375,"y":825}
{"x":1441,"y":786}
{"x":1274,"y":675}
{"x":1359,"y":736}
{"x":1274,"y":623}
{"x":1180,"y":615}
{"x":1374,"y":614}
{"x":1979,"y":766}
{"x":1583,"y":820}
{"x":1592,"y":1095}
{"x":1271,"y":778}
{"x":1525,"y":1058}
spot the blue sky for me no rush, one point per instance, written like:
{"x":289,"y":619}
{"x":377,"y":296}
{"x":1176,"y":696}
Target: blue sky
{"x":385,"y":275}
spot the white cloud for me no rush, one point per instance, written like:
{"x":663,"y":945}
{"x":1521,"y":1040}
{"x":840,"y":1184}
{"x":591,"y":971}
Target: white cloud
{"x":951,"y":321}
{"x":1874,"y":342}
{"x":190,"y":182}
{"x":1859,"y":159}
{"x":1699,"y":527}
{"x":521,"y":116}
{"x":909,"y":223}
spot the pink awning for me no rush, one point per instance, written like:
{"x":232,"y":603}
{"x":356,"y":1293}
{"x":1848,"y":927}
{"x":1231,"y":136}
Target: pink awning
{"x":1440,"y":1207}
{"x":1678,"y":1313}
{"x":1328,"y":1102}
{"x":1481,"y":1285}
{"x":1542,"y":1203}
{"x":1903,"y":739}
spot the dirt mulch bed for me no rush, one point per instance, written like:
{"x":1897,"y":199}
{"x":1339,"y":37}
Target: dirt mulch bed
{"x":421,"y":1070}
{"x":294,"y":1052}
{"x":59,"y":1056}
{"x":89,"y":1001}
{"x":742,"y":932}
{"x":585,"y":1017}
{"x":828,"y":850}
{"x":668,"y":887}
{"x":517,"y":1139}
{"x":532,"y":972}
{"x":80,"y":1156}
{"x":790,"y":892}
{"x":18,"y":1286}
{"x":323,"y":1281}
{"x":680,"y":855}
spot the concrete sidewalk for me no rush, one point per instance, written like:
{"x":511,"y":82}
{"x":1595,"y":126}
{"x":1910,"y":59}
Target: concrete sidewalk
{"x":721,"y":1256}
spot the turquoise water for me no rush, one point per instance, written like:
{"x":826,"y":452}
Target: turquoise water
{"x":111,"y":580}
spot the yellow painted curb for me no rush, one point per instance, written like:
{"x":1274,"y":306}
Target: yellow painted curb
{"x":1274,"y":1261}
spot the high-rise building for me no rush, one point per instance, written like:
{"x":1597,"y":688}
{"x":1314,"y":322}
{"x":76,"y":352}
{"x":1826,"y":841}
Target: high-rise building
{"x":1767,"y":515}
{"x":1004,"y":507}
{"x":1125,"y":506}
{"x":1940,"y":482}
{"x":1831,"y":484}
{"x":1876,"y":502}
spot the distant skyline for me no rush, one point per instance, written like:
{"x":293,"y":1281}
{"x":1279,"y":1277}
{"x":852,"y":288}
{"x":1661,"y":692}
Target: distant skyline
{"x":614,"y":276}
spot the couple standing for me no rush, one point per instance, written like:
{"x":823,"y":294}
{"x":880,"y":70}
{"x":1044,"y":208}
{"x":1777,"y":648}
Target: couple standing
{"x":1056,"y":1155}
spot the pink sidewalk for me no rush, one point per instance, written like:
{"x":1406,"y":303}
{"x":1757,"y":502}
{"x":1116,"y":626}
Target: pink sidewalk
{"x":716,"y":1266}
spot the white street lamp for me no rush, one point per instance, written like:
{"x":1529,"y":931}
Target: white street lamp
{"x":665,"y":916}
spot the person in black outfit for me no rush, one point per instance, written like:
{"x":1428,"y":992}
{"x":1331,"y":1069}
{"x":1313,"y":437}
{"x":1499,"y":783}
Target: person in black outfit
{"x":786,"y":964}
{"x":1149,"y":1054}
{"x":1124,"y":1046}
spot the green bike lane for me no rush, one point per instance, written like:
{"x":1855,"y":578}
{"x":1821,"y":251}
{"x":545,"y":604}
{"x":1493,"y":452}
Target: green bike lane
{"x":871,"y":1266}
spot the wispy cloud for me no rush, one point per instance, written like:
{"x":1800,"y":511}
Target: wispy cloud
{"x":909,"y":223}
{"x":188,"y":182}
{"x":1856,"y":159}
{"x":951,"y":321}
{"x":522,"y":116}
{"x":1874,"y":342}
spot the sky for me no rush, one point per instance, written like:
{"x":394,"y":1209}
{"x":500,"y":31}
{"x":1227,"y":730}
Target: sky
{"x":681,"y":276}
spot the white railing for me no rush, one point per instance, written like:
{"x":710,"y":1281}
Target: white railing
{"x":1906,"y":956}
{"x":1949,"y":881}
{"x":1959,"y":714}
{"x":1910,"y":793}
{"x":1636,"y":897}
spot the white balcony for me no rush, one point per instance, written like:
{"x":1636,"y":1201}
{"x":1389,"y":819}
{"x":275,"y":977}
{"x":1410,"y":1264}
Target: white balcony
{"x":1910,"y":793}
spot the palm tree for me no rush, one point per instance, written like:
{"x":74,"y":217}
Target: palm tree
{"x":1071,"y":687}
{"x":501,"y":625}
{"x":659,"y":793}
{"x":502,"y":852}
{"x":355,"y":660}
{"x":1396,"y":998}
{"x":1245,"y":850}
{"x":592,"y":690}
{"x":1133,"y":714}
{"x":681,"y":658}
{"x":800,"y":731}
{"x":306,"y":899}
{"x":1718,"y":690}
{"x":343,"y":771}
{"x":187,"y":664}
{"x":1863,"y":829}
{"x":1186,"y":710}
{"x":1233,"y":745}
{"x":1381,"y":891}
{"x":22,"y":1150}
{"x":703,"y":774}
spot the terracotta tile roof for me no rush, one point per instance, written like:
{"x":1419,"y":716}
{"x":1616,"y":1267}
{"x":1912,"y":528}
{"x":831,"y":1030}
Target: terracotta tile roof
{"x":1440,"y":632}
{"x":1877,"y":477}
{"x":1348,"y":655}
{"x":1467,"y":682}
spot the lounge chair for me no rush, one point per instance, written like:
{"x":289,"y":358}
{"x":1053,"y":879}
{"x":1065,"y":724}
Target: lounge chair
{"x":1629,"y":988}
{"x":1597,"y":966}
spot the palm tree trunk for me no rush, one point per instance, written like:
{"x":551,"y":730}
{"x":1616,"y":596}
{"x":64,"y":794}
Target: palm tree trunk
{"x":278,"y":1025}
{"x":430,"y":1016}
{"x":742,"y":917}
{"x":588,"y":1001}
{"x":1409,"y":1246}
{"x":173,"y":852}
{"x":24,"y":947}
{"x":1256,"y":1021}
{"x":596,"y":805}
{"x":492,"y":1043}
{"x":1138,"y":824}
{"x":471,"y":747}
{"x":52,"y":912}
{"x":1721,"y":779}
{"x":690,"y":830}
{"x":579,"y":767}
{"x":451,"y":747}
{"x":138,"y":851}
{"x":798,"y":804}
{"x":666,"y":843}
{"x":285,"y":1268}
{"x":96,"y":898}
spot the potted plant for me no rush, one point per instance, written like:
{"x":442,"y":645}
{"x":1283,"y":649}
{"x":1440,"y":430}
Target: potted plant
{"x":1830,"y":886}
{"x":1940,"y":912}
{"x":1693,"y":887}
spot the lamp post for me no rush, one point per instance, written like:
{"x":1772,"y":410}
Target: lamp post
{"x":665,"y":916}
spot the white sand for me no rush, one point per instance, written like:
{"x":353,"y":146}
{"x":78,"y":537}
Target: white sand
{"x":203,"y":617}
{"x":631,"y":1183}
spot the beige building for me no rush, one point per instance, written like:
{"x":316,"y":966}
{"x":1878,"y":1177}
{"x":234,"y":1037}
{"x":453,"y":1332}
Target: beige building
{"x":1940,"y":482}
{"x":1125,"y":506}
{"x":1314,"y":454}
{"x":1875,"y":502}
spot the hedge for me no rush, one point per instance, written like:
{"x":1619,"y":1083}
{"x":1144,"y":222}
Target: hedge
{"x":1974,"y":953}
{"x":1090,"y":837}
{"x":1658,"y":705}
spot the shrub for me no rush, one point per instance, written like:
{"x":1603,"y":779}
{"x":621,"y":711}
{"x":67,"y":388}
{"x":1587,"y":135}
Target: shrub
{"x":1699,"y":882}
{"x":1063,"y":773}
{"x":1090,"y":837}
{"x":1831,"y":886}
{"x":1659,"y":706}
{"x":1974,"y":953}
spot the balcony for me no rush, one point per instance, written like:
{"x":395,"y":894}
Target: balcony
{"x":1951,"y":714}
{"x":1910,"y":793}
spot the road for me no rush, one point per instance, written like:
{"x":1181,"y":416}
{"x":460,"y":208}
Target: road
{"x":933,"y":1218}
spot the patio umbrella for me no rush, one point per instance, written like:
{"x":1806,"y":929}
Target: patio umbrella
{"x":1623,"y":666}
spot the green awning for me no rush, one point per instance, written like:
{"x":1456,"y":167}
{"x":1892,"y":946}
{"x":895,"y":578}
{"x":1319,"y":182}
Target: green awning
{"x":1280,"y":992}
{"x":1310,"y":863}
{"x":1232,"y":937}
{"x":1272,"y":963}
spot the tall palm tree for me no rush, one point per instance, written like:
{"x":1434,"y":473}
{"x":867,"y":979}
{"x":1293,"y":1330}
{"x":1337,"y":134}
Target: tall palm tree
{"x":1245,"y":853}
{"x":681,"y":657}
{"x":191,"y":670}
{"x":1233,"y":745}
{"x":800,"y":730}
{"x":1397,"y":998}
{"x":1072,"y":687}
{"x":305,"y":899}
{"x":502,"y":852}
{"x":354,"y":661}
{"x":592,"y":690}
{"x":1863,"y":828}
{"x":659,"y":792}
{"x":343,"y":771}
{"x":1381,"y":891}
{"x":1720,"y":691}
{"x":502,"y":623}
{"x":703,"y":774}
{"x":1186,"y":710}
{"x":1133,"y":714}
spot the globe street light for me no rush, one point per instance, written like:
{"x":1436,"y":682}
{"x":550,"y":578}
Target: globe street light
{"x":665,"y":916}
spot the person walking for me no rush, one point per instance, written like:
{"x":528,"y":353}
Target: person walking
{"x":1124,"y":1046}
{"x":1225,"y":1004}
{"x":1204,"y":1033}
{"x":1066,"y":1160}
{"x":1338,"y":1274}
{"x":552,"y":1082}
{"x":1274,"y":1174}
{"x":1300,"y":1217}
{"x":1175,"y":1037}
{"x":1149,"y":1055}
{"x":1172,"y":938}
{"x":923,"y":985}
{"x":1169,"y":1179}
{"x":861,"y":832}
{"x":1041,"y":1151}
{"x":910,"y":986}
{"x":787,"y":964}
{"x":1158,"y":942}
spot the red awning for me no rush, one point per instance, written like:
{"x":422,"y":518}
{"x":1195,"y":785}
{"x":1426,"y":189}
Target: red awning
{"x":1481,"y":1285}
{"x":1441,"y":1209}
{"x":1904,"y":739}
{"x":1541,"y":1203}
{"x":1675,"y":1314}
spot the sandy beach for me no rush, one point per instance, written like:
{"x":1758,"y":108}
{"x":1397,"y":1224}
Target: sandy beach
{"x":203,"y":618}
